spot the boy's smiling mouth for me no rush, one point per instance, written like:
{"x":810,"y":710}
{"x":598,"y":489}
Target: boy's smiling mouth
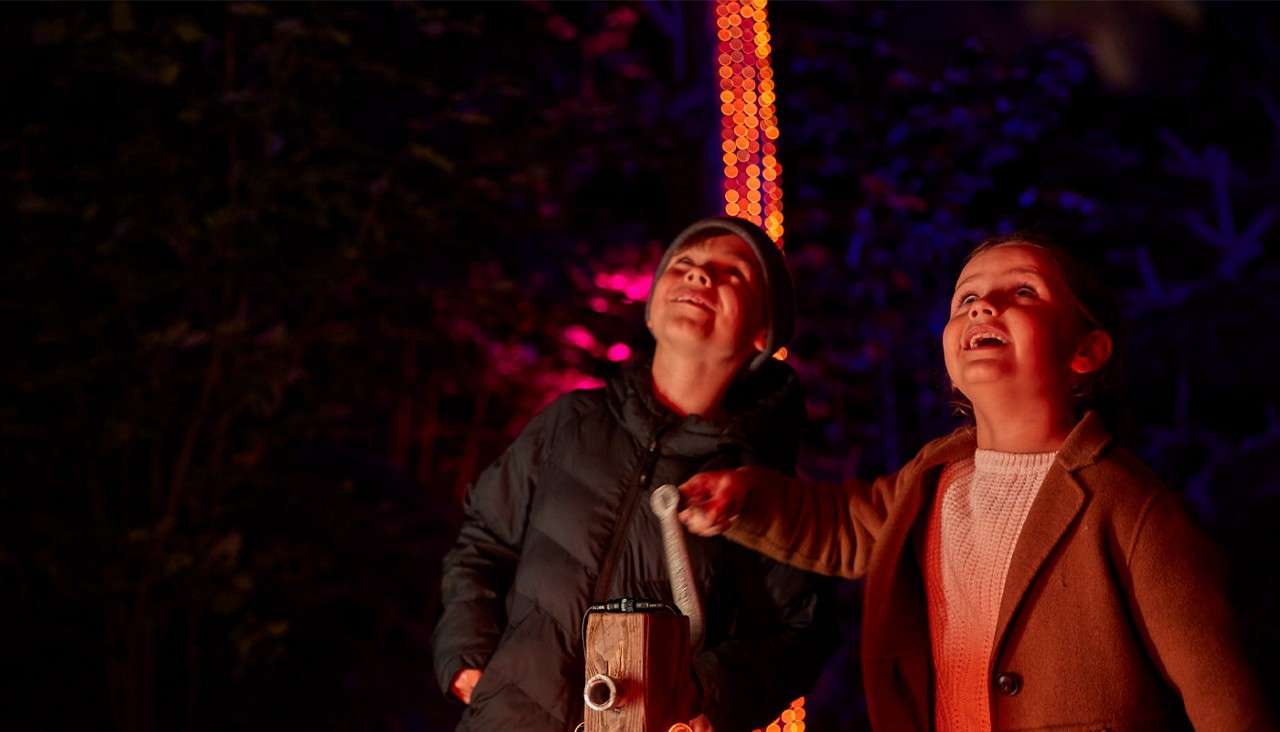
{"x":984,"y":336}
{"x":692,"y":298}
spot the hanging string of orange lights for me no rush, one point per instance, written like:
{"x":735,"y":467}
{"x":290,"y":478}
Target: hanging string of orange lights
{"x":748,"y":138}
{"x":749,"y":121}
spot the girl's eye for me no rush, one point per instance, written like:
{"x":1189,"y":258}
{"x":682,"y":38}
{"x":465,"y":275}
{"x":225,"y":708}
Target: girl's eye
{"x":966,"y":299}
{"x":1027,"y":291}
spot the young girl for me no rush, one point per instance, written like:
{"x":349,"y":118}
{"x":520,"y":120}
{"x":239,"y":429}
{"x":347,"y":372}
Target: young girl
{"x":1024,"y":572}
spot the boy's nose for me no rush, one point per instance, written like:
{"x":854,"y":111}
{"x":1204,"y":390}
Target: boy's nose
{"x":696,"y":276}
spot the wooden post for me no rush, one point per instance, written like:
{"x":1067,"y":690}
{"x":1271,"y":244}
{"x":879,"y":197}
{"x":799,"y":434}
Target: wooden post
{"x":638,"y":672}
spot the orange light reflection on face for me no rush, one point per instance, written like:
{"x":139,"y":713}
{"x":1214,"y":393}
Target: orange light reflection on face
{"x":752,"y":175}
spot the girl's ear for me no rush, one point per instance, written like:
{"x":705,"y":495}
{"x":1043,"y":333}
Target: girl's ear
{"x":1092,"y":353}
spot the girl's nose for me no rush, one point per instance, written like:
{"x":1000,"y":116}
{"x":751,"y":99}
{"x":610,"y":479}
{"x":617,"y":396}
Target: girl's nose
{"x":697,"y":276}
{"x":981,"y":307}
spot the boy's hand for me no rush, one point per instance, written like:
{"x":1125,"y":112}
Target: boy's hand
{"x":464,"y":682}
{"x":712,"y":500}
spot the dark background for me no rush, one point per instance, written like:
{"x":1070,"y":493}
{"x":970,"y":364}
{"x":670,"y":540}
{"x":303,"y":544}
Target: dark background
{"x":282,"y":278}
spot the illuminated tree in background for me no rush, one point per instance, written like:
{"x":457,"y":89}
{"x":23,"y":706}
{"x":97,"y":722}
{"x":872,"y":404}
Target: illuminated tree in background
{"x":749,"y":121}
{"x":752,"y":185}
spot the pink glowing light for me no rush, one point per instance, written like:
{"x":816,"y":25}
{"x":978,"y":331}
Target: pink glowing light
{"x":637,"y":288}
{"x":633,"y":285}
{"x":599,"y":304}
{"x":580,"y":337}
{"x":618,"y":352}
{"x":585,"y":382}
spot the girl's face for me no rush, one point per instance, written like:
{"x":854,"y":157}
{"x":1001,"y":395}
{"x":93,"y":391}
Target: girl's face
{"x":1015,"y":329}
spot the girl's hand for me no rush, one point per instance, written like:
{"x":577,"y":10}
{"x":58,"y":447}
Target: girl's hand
{"x":698,"y":724}
{"x":464,"y":683}
{"x":701,"y":724}
{"x":712,"y":500}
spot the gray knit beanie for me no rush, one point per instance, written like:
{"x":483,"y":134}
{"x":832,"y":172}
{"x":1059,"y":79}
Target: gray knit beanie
{"x":779,"y":292}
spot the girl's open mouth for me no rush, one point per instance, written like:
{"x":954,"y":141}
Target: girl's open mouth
{"x":984,"y":337}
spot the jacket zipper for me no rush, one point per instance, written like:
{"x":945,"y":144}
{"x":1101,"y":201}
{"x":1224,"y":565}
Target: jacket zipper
{"x":615,"y":547}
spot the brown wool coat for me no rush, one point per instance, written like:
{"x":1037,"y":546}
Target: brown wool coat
{"x":1114,"y":613}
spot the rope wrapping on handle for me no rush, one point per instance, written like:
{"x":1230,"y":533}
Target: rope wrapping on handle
{"x":664,"y":503}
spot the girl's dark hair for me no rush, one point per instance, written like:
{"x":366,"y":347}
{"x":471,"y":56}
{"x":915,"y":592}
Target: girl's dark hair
{"x":1098,"y":310}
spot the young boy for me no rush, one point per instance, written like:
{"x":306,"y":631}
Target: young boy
{"x":560,"y":521}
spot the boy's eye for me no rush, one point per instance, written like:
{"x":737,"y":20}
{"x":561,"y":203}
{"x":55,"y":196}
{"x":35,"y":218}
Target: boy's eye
{"x":966,"y":299}
{"x":1027,"y":291}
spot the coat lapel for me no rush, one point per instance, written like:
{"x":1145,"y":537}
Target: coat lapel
{"x":1052,"y":513}
{"x":1056,"y":506}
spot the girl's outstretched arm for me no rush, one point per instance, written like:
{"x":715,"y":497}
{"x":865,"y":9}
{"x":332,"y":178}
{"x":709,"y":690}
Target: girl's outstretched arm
{"x":819,"y":527}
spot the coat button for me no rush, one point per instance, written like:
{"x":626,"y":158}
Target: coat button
{"x":1009,"y":683}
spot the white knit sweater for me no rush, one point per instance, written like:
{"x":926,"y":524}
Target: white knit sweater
{"x":977,"y":516}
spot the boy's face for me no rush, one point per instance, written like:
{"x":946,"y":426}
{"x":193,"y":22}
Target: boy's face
{"x":1014,"y":326}
{"x":709,"y":303}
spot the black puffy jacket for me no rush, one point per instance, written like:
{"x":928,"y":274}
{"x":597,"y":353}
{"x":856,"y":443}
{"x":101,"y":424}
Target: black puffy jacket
{"x":562,"y":520}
